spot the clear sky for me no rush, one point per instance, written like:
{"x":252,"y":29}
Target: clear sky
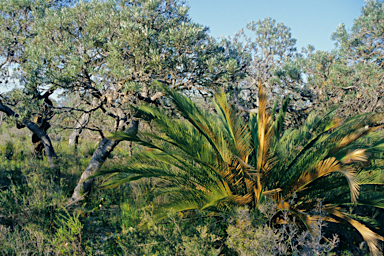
{"x":311,"y":21}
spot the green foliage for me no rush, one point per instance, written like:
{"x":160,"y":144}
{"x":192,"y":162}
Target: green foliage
{"x":31,"y":204}
{"x":119,"y":47}
{"x":9,"y":150}
{"x":272,"y":61}
{"x":176,"y":235}
{"x":352,"y":74}
{"x":23,"y":241}
{"x":214,"y":161}
{"x":28,"y":198}
{"x":33,"y":220}
{"x":248,"y":238}
{"x":12,"y":150}
{"x":67,"y":238}
{"x":200,"y":244}
{"x":204,"y":163}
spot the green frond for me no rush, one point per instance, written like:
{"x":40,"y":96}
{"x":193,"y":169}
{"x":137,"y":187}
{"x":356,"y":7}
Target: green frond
{"x":370,"y":176}
{"x":195,"y":116}
{"x":238,"y":132}
{"x":279,"y":123}
{"x":274,"y":107}
{"x":214,"y":161}
{"x":369,"y":236}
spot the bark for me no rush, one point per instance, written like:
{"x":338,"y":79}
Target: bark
{"x":40,"y":133}
{"x":38,"y":147}
{"x":1,"y":118}
{"x":74,"y":137}
{"x":78,"y":128}
{"x":38,"y":144}
{"x":104,"y":149}
{"x":43,"y":136}
{"x":130,"y":148}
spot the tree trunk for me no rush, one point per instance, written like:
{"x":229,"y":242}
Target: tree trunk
{"x":104,"y":149}
{"x":1,"y":118}
{"x":38,"y":144}
{"x":43,"y":136}
{"x":130,"y":148}
{"x":74,"y":137}
{"x":37,"y":147}
{"x":78,"y":128}
{"x":40,"y":133}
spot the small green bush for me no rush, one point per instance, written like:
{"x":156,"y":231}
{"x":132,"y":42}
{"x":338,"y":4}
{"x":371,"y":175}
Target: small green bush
{"x":247,"y":237}
{"x":68,"y":235}
{"x":9,"y":150}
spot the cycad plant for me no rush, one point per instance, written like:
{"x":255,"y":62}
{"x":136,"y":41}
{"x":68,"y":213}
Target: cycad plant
{"x":215,"y":161}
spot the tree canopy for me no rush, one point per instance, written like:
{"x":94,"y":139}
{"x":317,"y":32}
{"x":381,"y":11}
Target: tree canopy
{"x":103,"y":56}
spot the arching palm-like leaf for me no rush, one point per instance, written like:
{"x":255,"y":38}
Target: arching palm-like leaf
{"x":215,"y":161}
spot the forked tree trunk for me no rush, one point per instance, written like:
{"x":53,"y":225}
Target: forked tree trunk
{"x":104,"y":149}
{"x":40,"y":133}
{"x":43,"y":136}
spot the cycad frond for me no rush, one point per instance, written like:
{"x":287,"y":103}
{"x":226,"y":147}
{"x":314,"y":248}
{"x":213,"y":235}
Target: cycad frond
{"x":215,"y":161}
{"x":369,"y":236}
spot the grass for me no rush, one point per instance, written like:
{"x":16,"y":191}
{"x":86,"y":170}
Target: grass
{"x":34,"y":219}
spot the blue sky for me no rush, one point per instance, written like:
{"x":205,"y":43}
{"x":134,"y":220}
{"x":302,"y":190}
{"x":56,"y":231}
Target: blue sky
{"x":311,"y":21}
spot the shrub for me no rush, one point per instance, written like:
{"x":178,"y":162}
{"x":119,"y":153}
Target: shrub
{"x":214,"y":161}
{"x":68,"y":235}
{"x":9,"y":150}
{"x":249,"y":238}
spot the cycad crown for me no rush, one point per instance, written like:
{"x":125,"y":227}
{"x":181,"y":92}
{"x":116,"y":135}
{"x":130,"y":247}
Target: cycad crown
{"x":214,"y":161}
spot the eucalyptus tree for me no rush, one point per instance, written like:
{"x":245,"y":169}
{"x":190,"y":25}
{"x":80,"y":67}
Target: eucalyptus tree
{"x":273,"y":62}
{"x":353,"y":74}
{"x":107,"y":53}
{"x":30,"y":106}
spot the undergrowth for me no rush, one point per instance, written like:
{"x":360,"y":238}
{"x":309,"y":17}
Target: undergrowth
{"x":35,"y":219}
